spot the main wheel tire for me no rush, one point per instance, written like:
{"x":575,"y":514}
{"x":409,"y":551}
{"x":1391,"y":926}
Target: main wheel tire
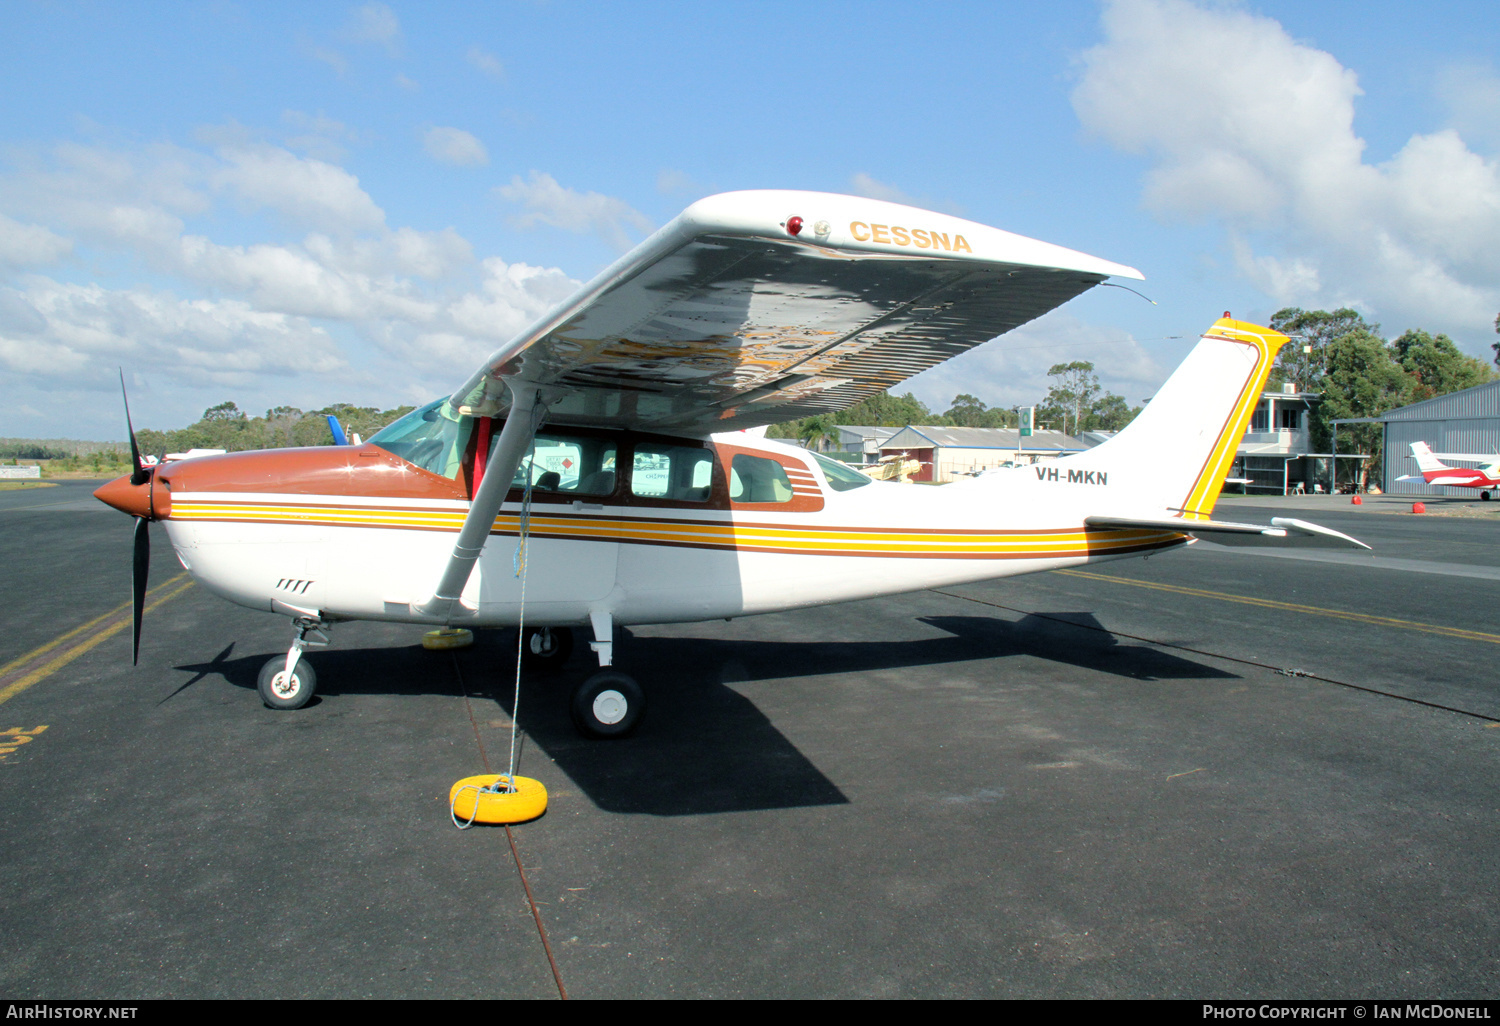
{"x":609,"y":704}
{"x":1485,"y":496}
{"x":546,"y":648}
{"x":277,"y":693}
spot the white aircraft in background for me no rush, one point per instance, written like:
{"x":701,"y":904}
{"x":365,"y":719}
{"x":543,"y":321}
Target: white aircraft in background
{"x":619,"y":434}
{"x":1435,"y":472}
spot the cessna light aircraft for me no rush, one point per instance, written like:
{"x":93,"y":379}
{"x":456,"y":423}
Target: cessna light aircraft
{"x":1435,"y":472}
{"x":618,"y":436}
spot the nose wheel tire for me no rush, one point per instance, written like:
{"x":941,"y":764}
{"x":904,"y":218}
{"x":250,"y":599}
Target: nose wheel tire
{"x":546,"y":648}
{"x":609,"y":704}
{"x":279,"y":693}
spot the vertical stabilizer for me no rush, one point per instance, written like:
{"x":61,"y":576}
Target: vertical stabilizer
{"x":1176,"y":454}
{"x":1426,"y":461}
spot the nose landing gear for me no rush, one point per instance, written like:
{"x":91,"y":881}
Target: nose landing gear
{"x":546,"y":648}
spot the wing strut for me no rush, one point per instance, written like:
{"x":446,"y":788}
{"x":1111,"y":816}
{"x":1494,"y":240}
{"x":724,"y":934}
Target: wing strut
{"x":527,"y":411}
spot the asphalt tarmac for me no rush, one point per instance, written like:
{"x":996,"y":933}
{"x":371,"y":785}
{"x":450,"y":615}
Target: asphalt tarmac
{"x":1209,"y":774}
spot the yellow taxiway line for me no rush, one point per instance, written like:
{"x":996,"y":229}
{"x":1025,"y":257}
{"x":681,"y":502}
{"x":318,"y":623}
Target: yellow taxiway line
{"x":24,"y":677}
{"x":1292,"y":607}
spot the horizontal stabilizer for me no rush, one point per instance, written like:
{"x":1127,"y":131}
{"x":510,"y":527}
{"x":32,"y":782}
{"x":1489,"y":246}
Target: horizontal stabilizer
{"x":1465,"y":480}
{"x":1283,"y":531}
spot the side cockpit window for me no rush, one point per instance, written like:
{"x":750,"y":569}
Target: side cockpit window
{"x":569,"y":464}
{"x":757,"y":479}
{"x":433,"y":437}
{"x":677,"y":473}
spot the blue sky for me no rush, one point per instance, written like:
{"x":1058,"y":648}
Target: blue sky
{"x":301,"y":204}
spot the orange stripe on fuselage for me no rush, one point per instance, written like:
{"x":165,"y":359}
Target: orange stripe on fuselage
{"x":943,"y":543}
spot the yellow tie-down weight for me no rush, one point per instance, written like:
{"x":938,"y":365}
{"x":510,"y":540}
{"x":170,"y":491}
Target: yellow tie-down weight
{"x":487,"y":799}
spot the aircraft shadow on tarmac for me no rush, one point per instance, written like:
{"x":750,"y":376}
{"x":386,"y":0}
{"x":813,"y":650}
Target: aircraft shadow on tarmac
{"x":704,"y":747}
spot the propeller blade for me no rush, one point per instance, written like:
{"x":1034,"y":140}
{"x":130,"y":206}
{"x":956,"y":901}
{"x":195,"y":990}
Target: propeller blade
{"x":138,"y":579}
{"x":140,"y":475}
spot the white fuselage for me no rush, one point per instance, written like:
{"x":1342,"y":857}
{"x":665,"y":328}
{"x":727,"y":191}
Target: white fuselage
{"x":367,"y":557}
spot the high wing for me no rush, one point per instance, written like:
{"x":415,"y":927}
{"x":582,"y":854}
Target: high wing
{"x":751,"y":308}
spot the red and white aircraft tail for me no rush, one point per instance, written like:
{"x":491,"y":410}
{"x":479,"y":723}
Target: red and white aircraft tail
{"x":1435,"y":472}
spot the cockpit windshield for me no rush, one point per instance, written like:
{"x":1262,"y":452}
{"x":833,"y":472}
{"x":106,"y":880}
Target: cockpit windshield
{"x":433,"y":437}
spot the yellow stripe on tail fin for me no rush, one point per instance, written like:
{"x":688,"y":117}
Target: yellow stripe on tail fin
{"x":1199,"y":504}
{"x":1172,"y":459}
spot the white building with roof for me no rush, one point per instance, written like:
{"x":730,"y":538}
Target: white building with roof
{"x":1275,"y":456}
{"x":947,"y":453}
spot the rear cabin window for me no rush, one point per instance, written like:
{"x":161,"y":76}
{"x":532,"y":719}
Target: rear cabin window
{"x":568,"y":464}
{"x":757,"y":479}
{"x":840,"y":477}
{"x":677,"y":473}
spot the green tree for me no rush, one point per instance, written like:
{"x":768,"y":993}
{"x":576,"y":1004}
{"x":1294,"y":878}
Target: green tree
{"x":225,"y":411}
{"x":968,"y":411}
{"x":1301,"y":361}
{"x":885,"y":410}
{"x":1362,"y":379}
{"x":880,"y":410}
{"x":1073,"y":393}
{"x":1437,"y":364}
{"x":226,"y":427}
{"x":817,"y":432}
{"x":1110,"y":413}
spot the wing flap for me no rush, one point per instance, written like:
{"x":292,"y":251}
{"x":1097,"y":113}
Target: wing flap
{"x":1282,"y":531}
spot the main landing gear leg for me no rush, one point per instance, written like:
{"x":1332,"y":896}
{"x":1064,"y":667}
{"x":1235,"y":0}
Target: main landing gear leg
{"x":609,"y":704}
{"x":289,"y":683}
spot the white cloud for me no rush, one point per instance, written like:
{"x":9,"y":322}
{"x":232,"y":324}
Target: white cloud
{"x":393,"y":312}
{"x":486,"y":62}
{"x":863,"y":185}
{"x":512,"y":297}
{"x":304,"y":190}
{"x":1264,"y":143}
{"x":315,"y":134}
{"x":1472,"y":93}
{"x":28,"y":245}
{"x":335,"y":60}
{"x":1012,"y":370}
{"x":80,"y":332}
{"x":454,"y":146}
{"x":672,"y":181}
{"x":376,"y":23}
{"x":547,"y":202}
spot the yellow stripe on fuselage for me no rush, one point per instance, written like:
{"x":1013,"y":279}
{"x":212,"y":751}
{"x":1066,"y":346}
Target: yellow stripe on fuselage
{"x":726,"y":535}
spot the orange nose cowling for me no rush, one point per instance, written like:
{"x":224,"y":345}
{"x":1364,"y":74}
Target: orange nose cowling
{"x":126,"y":497}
